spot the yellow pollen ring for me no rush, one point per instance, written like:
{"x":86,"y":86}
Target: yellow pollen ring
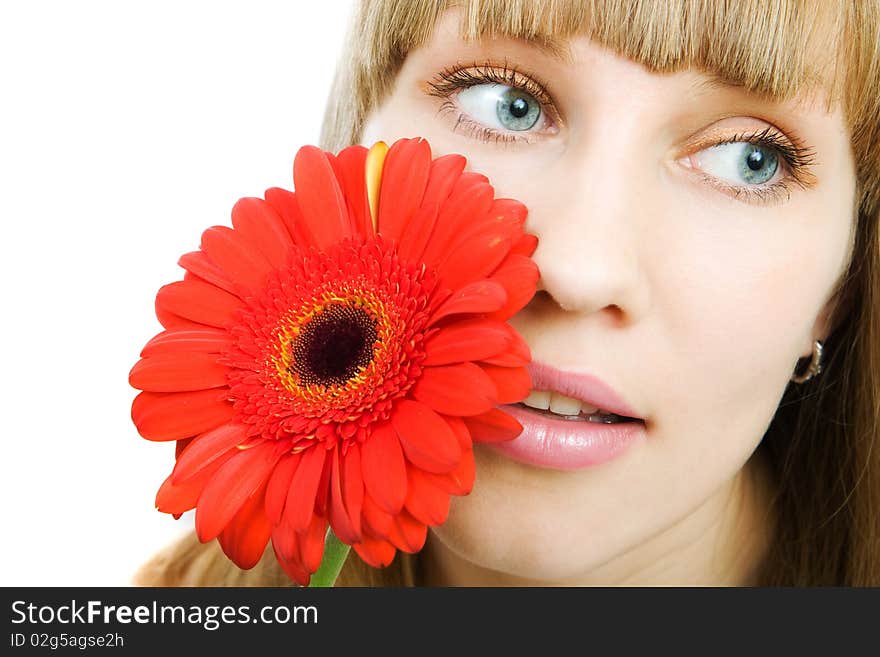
{"x":373,"y":172}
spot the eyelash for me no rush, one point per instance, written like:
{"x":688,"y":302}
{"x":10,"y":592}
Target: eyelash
{"x":797,"y":156}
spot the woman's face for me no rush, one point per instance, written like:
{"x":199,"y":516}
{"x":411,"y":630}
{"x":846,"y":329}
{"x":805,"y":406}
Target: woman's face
{"x":688,"y":277}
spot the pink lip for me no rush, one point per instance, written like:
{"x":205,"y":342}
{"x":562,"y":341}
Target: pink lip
{"x":585,"y":387}
{"x":566,"y":444}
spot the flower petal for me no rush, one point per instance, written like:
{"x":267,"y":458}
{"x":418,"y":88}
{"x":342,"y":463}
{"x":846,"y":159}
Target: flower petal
{"x":349,"y":166}
{"x":474,"y":260}
{"x":427,"y":502}
{"x":492,"y":427}
{"x":445,"y":172}
{"x":311,"y":543}
{"x":279,"y":486}
{"x":178,"y":372}
{"x":483,"y":296}
{"x":175,"y":415}
{"x":198,"y":302}
{"x":205,"y":449}
{"x":376,"y":552}
{"x":407,"y":534}
{"x":471,"y":197}
{"x":404,"y":176}
{"x":338,"y":516}
{"x":384,"y":468}
{"x":176,"y":498}
{"x":239,"y":260}
{"x":320,"y":198}
{"x":376,"y":521}
{"x":198,"y":264}
{"x":285,"y":545}
{"x":300,"y":505}
{"x":262,"y":226}
{"x":426,"y":438}
{"x":461,"y":389}
{"x":512,"y":383}
{"x":470,"y":339}
{"x":526,"y":245}
{"x":231,"y":485}
{"x":519,"y":275}
{"x":285,"y":203}
{"x":207,"y":340}
{"x":353,"y":486}
{"x":245,"y":538}
{"x":517,"y":353}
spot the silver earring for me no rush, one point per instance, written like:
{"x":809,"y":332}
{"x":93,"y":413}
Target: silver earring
{"x":815,"y":365}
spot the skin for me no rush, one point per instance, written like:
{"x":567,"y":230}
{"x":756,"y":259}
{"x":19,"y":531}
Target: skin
{"x":693,"y":304}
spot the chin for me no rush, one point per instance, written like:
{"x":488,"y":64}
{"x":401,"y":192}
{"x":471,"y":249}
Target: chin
{"x":527,"y":523}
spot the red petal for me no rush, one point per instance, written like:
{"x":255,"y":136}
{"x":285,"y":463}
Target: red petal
{"x":470,"y":339}
{"x":376,"y":552}
{"x":526,"y":245}
{"x":519,"y":275}
{"x":232,"y":485}
{"x":285,"y":545}
{"x":239,"y":260}
{"x":300,"y":505}
{"x":207,"y":340}
{"x":462,"y":389}
{"x":445,"y":172}
{"x":279,"y":486}
{"x":478,"y":297}
{"x":407,"y":533}
{"x":461,"y":480}
{"x":198,"y":264}
{"x":353,"y":486}
{"x":198,"y":302}
{"x":349,"y":166}
{"x":377,"y":522}
{"x":404,"y":176}
{"x":512,"y":383}
{"x":176,"y":415}
{"x":474,"y":260}
{"x":311,"y":543}
{"x":384,"y":468}
{"x":245,"y":537}
{"x":262,"y":226}
{"x":425,"y":500}
{"x":517,"y":354}
{"x":338,"y":516}
{"x":178,"y":498}
{"x":470,"y":199}
{"x":492,"y":427}
{"x":178,"y":372}
{"x":175,"y":322}
{"x":205,"y":449}
{"x":427,"y":440}
{"x":320,"y":198}
{"x":286,"y":205}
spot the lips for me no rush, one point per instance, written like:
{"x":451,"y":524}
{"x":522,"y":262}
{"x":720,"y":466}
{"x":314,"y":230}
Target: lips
{"x":586,"y":387}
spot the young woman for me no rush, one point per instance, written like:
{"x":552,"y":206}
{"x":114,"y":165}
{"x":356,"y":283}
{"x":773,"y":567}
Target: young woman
{"x":704,"y":179}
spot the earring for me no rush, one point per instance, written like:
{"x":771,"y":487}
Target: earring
{"x":815,"y":365}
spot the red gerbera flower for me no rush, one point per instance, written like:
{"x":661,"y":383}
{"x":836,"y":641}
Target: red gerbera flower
{"x":332,"y":356}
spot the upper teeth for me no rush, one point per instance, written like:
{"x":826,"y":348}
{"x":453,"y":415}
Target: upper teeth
{"x":559,"y":404}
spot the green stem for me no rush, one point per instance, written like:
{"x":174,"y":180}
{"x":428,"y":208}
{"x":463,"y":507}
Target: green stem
{"x":335,"y":553}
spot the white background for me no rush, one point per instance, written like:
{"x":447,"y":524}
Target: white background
{"x":125,"y":130}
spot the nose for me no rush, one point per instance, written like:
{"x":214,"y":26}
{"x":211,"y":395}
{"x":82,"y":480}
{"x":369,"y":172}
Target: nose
{"x":592,"y":234}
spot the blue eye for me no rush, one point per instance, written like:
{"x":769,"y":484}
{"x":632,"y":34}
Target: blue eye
{"x":739,"y":162}
{"x":501,"y":106}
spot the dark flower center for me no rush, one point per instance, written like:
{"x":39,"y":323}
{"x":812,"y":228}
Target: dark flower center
{"x":334,"y":345}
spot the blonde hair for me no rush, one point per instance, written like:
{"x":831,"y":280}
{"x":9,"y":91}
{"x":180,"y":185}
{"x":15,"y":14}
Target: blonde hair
{"x":821,"y":443}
